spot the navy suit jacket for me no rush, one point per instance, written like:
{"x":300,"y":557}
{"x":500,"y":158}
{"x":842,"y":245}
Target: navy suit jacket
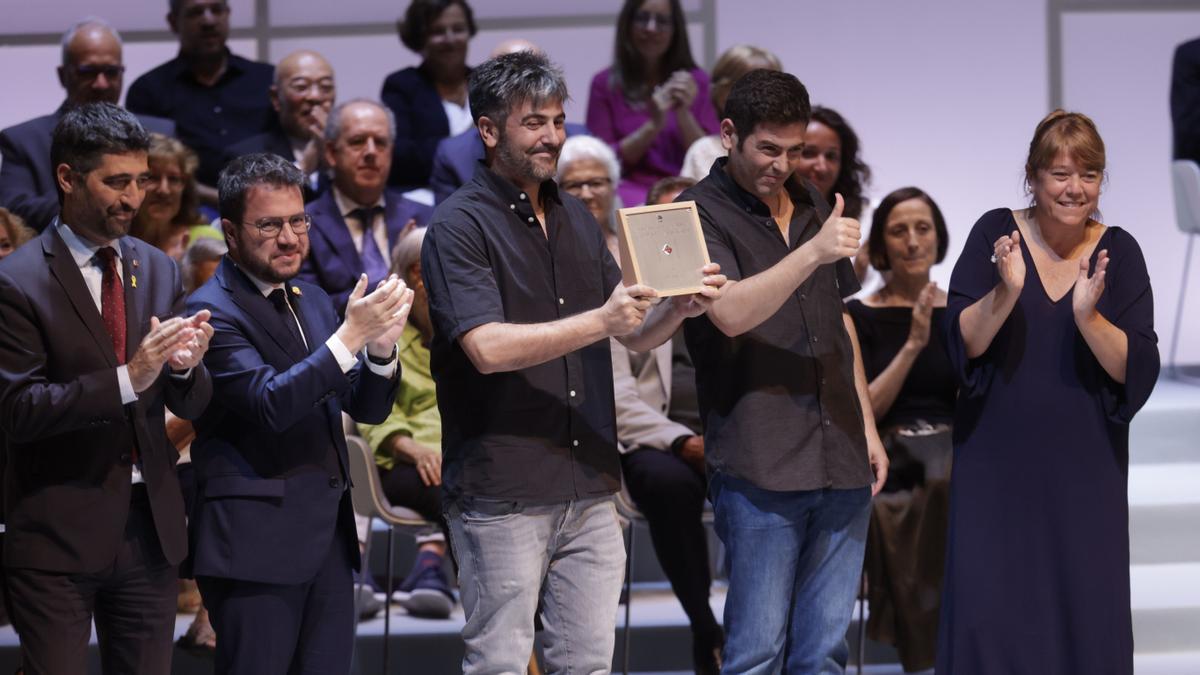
{"x":1185,"y":100}
{"x":420,"y":123}
{"x":270,"y":452}
{"x":456,"y":157}
{"x":275,"y":141}
{"x":26,"y":177}
{"x":333,"y":263}
{"x":69,"y":437}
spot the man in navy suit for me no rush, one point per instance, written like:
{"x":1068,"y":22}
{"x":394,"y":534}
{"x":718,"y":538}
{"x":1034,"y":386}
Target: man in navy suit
{"x":302,"y":95}
{"x":358,"y":142}
{"x":91,"y":352}
{"x":91,"y":72}
{"x":272,"y":528}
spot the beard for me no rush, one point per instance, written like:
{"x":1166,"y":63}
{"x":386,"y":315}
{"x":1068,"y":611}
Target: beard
{"x":521,"y":164}
{"x":264,"y":269}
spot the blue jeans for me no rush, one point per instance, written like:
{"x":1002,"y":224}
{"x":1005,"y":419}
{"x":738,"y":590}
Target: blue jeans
{"x":571,"y":556}
{"x":794,"y":560}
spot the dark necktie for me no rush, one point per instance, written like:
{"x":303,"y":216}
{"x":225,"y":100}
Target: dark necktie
{"x":374,"y":264}
{"x":278,"y":298}
{"x":112,"y":301}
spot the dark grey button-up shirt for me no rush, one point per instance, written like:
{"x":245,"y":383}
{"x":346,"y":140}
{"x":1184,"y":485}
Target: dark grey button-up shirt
{"x":542,"y":434}
{"x":779,"y":404}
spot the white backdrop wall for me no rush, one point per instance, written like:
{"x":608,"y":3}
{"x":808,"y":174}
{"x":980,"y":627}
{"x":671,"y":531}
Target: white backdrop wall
{"x":944,"y":94}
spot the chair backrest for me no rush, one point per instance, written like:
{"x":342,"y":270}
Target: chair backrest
{"x":1185,"y":174}
{"x":366,"y":491}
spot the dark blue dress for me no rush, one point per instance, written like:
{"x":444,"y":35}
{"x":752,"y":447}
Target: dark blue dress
{"x":1037,"y":563}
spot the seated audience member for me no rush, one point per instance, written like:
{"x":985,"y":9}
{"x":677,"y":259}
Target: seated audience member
{"x":652,"y":103}
{"x":456,"y":156}
{"x":1185,"y":100}
{"x":408,"y":446}
{"x":302,"y":95}
{"x":215,"y":97}
{"x":13,"y":232}
{"x":91,"y":72}
{"x":589,"y":170}
{"x":831,"y":163}
{"x":662,"y":460}
{"x":913,"y":389}
{"x":359,"y":218}
{"x":429,"y":100}
{"x":200,"y":261}
{"x":168,"y":213}
{"x":735,"y":62}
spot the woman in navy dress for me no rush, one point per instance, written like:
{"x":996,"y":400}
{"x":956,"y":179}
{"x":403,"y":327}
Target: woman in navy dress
{"x":1050,"y":326}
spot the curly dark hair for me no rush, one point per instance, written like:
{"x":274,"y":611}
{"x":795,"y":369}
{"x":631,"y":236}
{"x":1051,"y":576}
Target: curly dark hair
{"x":854,"y":175}
{"x":766,"y":96}
{"x":628,"y":74}
{"x":413,"y":27}
{"x":877,"y":251}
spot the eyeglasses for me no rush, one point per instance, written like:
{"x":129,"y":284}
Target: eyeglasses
{"x":91,"y":72}
{"x":660,"y":21}
{"x":271,"y":227}
{"x":301,"y":85}
{"x":595,"y":185}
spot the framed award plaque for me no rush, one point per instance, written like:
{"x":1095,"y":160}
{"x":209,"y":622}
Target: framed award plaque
{"x":662,"y":247}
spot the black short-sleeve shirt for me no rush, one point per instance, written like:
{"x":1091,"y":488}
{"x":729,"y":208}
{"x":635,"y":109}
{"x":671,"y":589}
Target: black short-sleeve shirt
{"x":208,"y":119}
{"x":541,"y":434}
{"x":779,"y":404}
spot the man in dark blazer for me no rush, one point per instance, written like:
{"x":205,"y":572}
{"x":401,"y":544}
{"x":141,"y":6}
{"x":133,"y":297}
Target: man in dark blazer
{"x":1185,"y":100}
{"x":358,"y":151}
{"x":91,"y":352}
{"x":91,"y":72}
{"x":457,"y":156}
{"x":272,"y":528}
{"x":302,"y":95}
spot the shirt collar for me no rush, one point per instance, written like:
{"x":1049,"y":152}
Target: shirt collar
{"x":82,"y":250}
{"x":510,"y":193}
{"x":346,"y":205}
{"x":795,"y":186}
{"x":263,"y":287}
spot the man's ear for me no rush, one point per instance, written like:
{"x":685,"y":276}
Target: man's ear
{"x":728,"y":135}
{"x":229,"y":230}
{"x":273,"y":94}
{"x":489,"y":131}
{"x":65,"y":177}
{"x":173,"y":22}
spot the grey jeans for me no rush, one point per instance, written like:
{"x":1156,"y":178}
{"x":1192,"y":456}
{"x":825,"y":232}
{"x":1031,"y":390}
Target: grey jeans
{"x":570,"y":555}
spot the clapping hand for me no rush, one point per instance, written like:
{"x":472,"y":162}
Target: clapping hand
{"x":189,"y":354}
{"x":375,"y":320}
{"x":682,"y":89}
{"x":1006,"y":254}
{"x":177,"y":341}
{"x":922,"y":314}
{"x":1088,"y":290}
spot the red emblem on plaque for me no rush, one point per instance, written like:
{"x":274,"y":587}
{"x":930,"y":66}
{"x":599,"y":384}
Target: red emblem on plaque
{"x":667,"y":249}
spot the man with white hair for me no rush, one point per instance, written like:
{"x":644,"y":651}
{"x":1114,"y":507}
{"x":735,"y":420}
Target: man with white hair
{"x":91,"y":72}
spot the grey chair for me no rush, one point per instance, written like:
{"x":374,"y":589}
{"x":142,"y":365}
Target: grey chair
{"x":366,"y":493}
{"x":1185,"y":175}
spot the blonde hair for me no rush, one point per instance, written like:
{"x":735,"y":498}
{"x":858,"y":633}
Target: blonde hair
{"x":1070,"y":132}
{"x":18,"y":232}
{"x":734,"y":63}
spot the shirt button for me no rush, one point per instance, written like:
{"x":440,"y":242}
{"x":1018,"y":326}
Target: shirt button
{"x":827,"y":422}
{"x":572,"y":393}
{"x":575,"y":443}
{"x":512,"y":207}
{"x":333,"y":481}
{"x":561,"y":301}
{"x":822,"y":382}
{"x":224,"y":132}
{"x":523,"y":197}
{"x":814,"y":338}
{"x":803,"y":296}
{"x":529,"y":219}
{"x":217,"y":109}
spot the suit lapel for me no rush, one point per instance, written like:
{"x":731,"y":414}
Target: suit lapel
{"x":137,"y":324}
{"x":310,"y":319}
{"x":62,"y":266}
{"x":330,"y":224}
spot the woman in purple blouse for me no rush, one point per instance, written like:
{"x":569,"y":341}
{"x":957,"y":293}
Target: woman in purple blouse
{"x":653,"y":102}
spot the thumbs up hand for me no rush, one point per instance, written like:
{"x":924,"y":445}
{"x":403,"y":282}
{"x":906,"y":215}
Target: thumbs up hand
{"x":838,"y":237}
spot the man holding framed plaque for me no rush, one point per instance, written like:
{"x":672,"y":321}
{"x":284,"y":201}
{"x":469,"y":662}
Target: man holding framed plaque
{"x":790,"y":441}
{"x":524,"y":294}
